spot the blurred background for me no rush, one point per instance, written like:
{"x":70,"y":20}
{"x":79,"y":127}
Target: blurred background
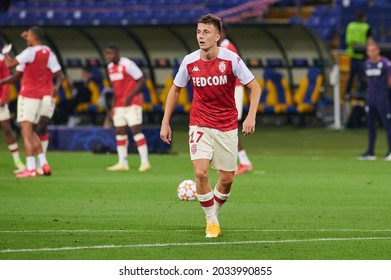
{"x":291,"y":46}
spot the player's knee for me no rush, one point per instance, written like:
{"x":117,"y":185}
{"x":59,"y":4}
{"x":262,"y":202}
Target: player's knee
{"x":201,"y":174}
{"x":41,"y":129}
{"x":135,"y":130}
{"x":8,"y":132}
{"x":227,"y":182}
{"x":6,"y":128}
{"x":25,"y":131}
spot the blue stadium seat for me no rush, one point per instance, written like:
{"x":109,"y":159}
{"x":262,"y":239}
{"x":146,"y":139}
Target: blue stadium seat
{"x":116,"y":12}
{"x":74,"y":62}
{"x":300,"y":62}
{"x":308,"y":92}
{"x":277,"y":94}
{"x":274,"y":62}
{"x":313,"y":21}
{"x":151,"y":101}
{"x":320,"y":11}
{"x":139,"y":61}
{"x":355,"y":3}
{"x":185,"y":96}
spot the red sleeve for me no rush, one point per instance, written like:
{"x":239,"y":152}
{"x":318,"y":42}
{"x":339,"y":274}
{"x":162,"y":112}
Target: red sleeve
{"x":5,"y":88}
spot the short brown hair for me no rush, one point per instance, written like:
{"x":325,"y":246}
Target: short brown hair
{"x":212,"y":19}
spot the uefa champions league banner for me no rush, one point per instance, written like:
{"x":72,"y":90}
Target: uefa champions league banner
{"x":97,"y":139}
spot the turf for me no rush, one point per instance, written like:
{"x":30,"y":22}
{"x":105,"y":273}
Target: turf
{"x":307,"y":198}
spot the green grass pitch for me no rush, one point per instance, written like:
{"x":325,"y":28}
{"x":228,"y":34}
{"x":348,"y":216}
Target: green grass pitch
{"x":307,"y":198}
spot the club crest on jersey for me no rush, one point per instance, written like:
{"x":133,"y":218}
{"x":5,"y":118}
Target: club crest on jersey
{"x":193,"y":148}
{"x":222,"y":66}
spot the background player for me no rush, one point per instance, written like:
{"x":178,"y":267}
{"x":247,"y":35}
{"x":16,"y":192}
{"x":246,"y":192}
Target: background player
{"x":244,"y":162}
{"x":5,"y":118}
{"x":213,"y":137}
{"x":378,"y":73}
{"x":47,"y":106}
{"x":39,"y":66}
{"x":127,"y":80}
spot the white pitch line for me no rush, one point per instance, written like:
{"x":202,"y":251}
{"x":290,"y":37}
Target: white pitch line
{"x":186,"y":230}
{"x":193,"y":244}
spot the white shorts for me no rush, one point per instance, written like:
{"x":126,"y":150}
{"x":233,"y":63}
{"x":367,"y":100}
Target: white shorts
{"x":239,"y":93}
{"x":220,"y":147}
{"x":28,"y":109}
{"x":128,"y":116}
{"x":47,"y":106}
{"x":4,"y":113}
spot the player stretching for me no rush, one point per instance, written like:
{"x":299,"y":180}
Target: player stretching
{"x":39,"y":65}
{"x":378,"y":72}
{"x":244,"y":162}
{"x":47,"y":106}
{"x":5,"y":118}
{"x":127,"y":80}
{"x":213,"y":133}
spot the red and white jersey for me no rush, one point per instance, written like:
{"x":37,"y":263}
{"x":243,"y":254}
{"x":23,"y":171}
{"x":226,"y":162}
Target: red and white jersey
{"x":38,"y":64}
{"x":227,"y":44}
{"x":213,"y":88}
{"x":124,"y":76}
{"x":4,"y":88}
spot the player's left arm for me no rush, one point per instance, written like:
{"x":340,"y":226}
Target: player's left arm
{"x":248,"y":126}
{"x":135,"y":72}
{"x":55,"y":68}
{"x":247,"y":78}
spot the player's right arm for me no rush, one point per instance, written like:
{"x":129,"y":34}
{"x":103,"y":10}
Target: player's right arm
{"x":180,"y":81}
{"x":24,"y":57}
{"x":171,"y":101}
{"x":9,"y":61}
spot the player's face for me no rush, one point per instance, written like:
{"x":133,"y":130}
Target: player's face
{"x":207,"y":36}
{"x":111,"y":55}
{"x":373,"y":52}
{"x":29,"y":37}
